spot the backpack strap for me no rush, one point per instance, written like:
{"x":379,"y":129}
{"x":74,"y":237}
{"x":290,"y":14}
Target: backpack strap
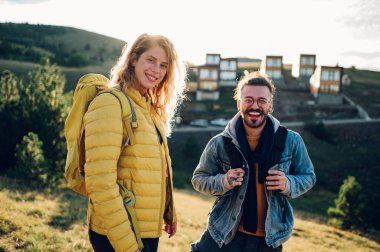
{"x":233,"y":154}
{"x":279,"y":144}
{"x":129,"y":203}
{"x":128,"y":114}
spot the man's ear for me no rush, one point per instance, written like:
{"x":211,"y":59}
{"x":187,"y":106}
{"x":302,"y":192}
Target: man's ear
{"x":271,"y":107}
{"x":239,"y":104}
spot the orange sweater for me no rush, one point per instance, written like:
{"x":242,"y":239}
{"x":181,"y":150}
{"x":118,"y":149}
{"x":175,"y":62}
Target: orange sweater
{"x":262,"y":205}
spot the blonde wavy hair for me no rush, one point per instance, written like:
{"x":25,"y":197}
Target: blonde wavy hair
{"x":169,"y":93}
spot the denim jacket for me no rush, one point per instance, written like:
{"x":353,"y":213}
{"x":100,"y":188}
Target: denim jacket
{"x":226,"y":213}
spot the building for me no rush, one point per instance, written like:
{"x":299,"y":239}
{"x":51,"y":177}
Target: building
{"x":228,"y":72}
{"x":208,"y":78}
{"x":272,"y":67}
{"x":307,"y":66}
{"x":326,"y":84}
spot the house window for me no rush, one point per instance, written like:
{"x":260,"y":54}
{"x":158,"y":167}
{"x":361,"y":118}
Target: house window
{"x":334,"y":88}
{"x":274,"y":74}
{"x":306,"y":71}
{"x":228,"y":65}
{"x":209,"y":74}
{"x":332,"y":75}
{"x":227,"y":75}
{"x":307,"y":60}
{"x":212,"y":60}
{"x":274,"y":62}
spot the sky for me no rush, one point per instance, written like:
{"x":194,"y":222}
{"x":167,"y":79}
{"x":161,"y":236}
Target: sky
{"x":343,"y":32}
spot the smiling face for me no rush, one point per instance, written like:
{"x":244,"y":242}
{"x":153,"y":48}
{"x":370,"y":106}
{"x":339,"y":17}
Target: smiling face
{"x":150,"y":68}
{"x":254,"y":113}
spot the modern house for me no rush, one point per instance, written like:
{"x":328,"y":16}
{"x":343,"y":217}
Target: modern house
{"x":228,"y":72}
{"x":307,"y":66}
{"x":208,"y":78}
{"x":326,"y":84}
{"x":272,"y":67}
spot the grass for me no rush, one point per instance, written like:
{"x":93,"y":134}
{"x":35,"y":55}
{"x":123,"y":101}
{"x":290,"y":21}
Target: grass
{"x":45,"y":220}
{"x":72,"y":74}
{"x":365,"y":90}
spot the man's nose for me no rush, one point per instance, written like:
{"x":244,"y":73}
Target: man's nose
{"x":254,"y":104}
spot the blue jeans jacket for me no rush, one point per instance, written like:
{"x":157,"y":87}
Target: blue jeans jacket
{"x":226,"y":213}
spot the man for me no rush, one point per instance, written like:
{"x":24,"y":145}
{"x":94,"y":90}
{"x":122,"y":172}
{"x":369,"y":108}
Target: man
{"x":252,"y":212}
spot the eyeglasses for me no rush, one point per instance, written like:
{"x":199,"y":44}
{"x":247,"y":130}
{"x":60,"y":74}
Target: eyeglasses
{"x":261,"y":102}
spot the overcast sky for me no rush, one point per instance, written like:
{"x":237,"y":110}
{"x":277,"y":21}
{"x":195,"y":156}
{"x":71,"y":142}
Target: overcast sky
{"x":346,"y":32}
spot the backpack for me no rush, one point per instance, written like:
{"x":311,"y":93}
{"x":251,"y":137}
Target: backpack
{"x":88,"y":87}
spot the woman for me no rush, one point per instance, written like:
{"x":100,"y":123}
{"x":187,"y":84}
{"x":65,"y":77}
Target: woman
{"x":150,"y":73}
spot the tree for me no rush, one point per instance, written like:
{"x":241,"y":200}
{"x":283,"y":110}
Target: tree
{"x":41,"y":109}
{"x":30,"y":161}
{"x":8,"y":90}
{"x":10,"y":114}
{"x":349,"y":206}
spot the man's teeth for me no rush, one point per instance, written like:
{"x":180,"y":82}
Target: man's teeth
{"x":254,"y":113}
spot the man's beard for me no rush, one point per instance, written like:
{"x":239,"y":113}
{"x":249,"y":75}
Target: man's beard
{"x":254,"y":123}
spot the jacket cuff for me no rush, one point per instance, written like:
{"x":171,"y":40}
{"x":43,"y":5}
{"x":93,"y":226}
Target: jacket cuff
{"x":286,"y":192}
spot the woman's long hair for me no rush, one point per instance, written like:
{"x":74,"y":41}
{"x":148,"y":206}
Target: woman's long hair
{"x":169,"y":93}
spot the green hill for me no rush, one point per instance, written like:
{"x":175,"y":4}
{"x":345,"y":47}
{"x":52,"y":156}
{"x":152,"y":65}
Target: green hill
{"x":76,"y":51}
{"x":66,"y":46}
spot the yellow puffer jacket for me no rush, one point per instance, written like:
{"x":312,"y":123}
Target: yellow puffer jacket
{"x":140,"y":167}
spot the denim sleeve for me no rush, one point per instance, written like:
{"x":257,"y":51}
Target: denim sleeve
{"x":207,"y":177}
{"x":301,"y":177}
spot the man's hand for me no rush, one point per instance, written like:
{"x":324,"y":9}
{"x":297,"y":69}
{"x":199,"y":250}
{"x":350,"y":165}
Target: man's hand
{"x":170,"y":229}
{"x":235,"y":177}
{"x":276,"y":180}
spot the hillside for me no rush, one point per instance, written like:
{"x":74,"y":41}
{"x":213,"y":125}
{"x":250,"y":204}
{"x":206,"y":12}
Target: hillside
{"x":76,"y":51}
{"x":66,"y":46}
{"x":55,"y":221}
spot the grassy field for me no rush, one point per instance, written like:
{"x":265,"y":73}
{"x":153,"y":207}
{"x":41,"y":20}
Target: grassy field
{"x":55,"y":221}
{"x":72,"y":74}
{"x":365,"y":90}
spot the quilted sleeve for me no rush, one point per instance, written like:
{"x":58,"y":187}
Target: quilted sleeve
{"x":103,"y":139}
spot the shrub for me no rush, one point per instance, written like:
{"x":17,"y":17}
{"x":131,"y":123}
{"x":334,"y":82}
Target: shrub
{"x":349,"y":206}
{"x":30,"y":161}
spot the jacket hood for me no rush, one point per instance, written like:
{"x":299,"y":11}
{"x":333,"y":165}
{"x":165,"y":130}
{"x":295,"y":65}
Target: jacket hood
{"x":230,"y":131}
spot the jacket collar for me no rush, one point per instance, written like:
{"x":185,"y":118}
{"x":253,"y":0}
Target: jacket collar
{"x":141,"y":100}
{"x":144,"y":102}
{"x":230,"y":130}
